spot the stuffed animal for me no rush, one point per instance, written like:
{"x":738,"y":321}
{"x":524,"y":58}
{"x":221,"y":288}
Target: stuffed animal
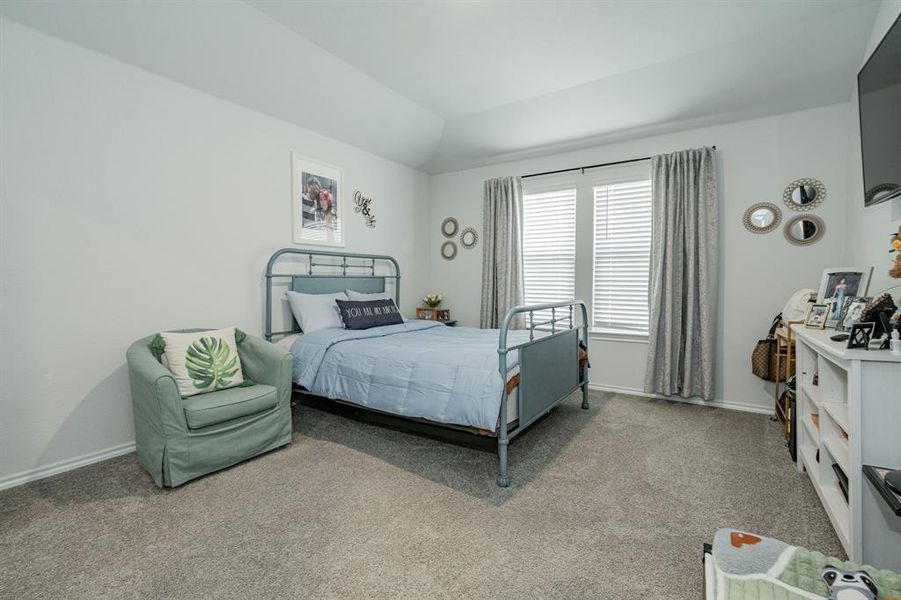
{"x":849,"y":585}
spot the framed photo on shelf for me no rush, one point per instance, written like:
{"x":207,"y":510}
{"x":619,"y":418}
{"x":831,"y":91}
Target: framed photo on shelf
{"x":860,"y":335}
{"x":851,"y":311}
{"x":317,"y":203}
{"x":838,"y":284}
{"x":816,"y":316}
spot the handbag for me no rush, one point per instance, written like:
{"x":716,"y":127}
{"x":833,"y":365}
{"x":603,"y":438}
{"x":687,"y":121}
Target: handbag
{"x":763,"y":358}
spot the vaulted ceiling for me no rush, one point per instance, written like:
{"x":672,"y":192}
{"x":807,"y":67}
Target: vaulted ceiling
{"x":442,"y":86}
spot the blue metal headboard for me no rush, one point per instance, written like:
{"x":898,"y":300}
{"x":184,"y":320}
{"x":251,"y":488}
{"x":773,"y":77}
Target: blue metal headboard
{"x":333,"y":276}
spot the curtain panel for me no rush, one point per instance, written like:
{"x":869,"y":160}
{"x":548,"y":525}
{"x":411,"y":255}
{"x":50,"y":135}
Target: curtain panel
{"x":502,"y":280}
{"x":682,"y":289}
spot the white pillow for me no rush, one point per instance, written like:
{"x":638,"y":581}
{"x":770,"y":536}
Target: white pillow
{"x":203,"y":361}
{"x":362,"y":297}
{"x":316,"y":311}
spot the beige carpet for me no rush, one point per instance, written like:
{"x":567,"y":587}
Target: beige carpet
{"x":611,"y":503}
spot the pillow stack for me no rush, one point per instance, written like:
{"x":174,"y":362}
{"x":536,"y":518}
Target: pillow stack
{"x":348,"y":309}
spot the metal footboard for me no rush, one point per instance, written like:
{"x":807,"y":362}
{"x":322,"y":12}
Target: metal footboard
{"x":547,"y":374}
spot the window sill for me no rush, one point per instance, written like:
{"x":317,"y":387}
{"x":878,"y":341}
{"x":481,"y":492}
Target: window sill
{"x":606,"y":335}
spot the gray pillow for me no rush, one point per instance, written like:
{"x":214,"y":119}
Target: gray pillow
{"x":369,"y":313}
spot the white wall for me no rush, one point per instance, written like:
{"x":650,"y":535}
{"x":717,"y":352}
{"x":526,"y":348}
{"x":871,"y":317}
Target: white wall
{"x":869,"y":228}
{"x":131,"y":204}
{"x":757,"y":159}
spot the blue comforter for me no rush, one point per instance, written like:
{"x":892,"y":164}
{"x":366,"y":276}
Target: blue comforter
{"x":414,"y":369}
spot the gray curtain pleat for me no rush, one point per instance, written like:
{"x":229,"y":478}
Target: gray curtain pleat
{"x":683,"y":281}
{"x":502,"y":282}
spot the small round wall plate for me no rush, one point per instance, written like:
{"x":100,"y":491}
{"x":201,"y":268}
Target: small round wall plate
{"x":804,"y":194}
{"x":469,"y":238}
{"x":449,"y":227}
{"x":448,"y":250}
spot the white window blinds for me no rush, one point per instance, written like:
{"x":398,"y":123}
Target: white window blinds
{"x":549,"y":248}
{"x":622,"y":249}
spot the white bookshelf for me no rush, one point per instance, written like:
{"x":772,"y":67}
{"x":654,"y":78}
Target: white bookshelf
{"x":857,"y":404}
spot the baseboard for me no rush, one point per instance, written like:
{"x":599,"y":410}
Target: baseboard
{"x":713,"y":403}
{"x":64,"y":465}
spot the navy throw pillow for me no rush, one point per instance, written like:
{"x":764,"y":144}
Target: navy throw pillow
{"x":369,"y":313}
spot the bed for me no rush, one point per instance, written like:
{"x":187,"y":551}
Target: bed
{"x":489,"y":384}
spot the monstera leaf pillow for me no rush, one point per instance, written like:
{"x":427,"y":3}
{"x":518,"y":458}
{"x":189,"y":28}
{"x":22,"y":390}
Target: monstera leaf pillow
{"x":203,"y":361}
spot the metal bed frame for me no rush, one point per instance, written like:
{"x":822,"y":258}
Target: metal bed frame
{"x":546,"y":361}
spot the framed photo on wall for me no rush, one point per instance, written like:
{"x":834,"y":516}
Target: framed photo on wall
{"x":838,"y":284}
{"x":317,"y":202}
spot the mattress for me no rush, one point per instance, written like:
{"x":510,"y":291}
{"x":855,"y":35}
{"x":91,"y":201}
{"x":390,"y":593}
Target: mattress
{"x":417,"y":369}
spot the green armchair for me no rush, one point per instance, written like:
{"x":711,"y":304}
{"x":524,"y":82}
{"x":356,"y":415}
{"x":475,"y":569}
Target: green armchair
{"x":179,"y":439}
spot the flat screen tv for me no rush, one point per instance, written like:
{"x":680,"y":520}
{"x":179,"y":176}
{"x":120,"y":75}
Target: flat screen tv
{"x":879,"y":95}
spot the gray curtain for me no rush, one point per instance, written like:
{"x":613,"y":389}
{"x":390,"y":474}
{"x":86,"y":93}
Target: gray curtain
{"x":683,"y":280}
{"x":502,"y":283}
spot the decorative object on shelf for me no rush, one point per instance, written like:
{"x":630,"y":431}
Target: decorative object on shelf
{"x":879,"y":340}
{"x":860,"y":335}
{"x":895,"y":271}
{"x":469,"y":238}
{"x":363,"y":207}
{"x":840,"y":283}
{"x":804,"y":194}
{"x":883,"y":304}
{"x":432,"y":300}
{"x":851,"y":311}
{"x":448,"y":250}
{"x":816,"y":316}
{"x":762,"y":217}
{"x":433,"y":314}
{"x":449,"y":227}
{"x":318,"y":208}
{"x":804,"y":230}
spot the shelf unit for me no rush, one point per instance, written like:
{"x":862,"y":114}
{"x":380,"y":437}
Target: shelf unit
{"x":857,"y":400}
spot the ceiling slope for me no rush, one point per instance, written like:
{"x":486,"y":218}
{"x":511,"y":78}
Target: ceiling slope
{"x":759,"y":75}
{"x":443,"y":86}
{"x":231,"y":50}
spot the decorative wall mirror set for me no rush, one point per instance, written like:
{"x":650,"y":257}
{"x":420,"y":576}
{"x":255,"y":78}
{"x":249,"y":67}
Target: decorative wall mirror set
{"x":468,"y":239}
{"x":800,"y":195}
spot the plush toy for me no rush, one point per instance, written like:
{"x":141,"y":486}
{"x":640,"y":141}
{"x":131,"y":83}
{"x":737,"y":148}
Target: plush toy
{"x":849,"y":585}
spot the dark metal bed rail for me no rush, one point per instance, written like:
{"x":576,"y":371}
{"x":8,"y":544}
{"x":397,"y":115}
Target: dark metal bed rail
{"x":547,"y":374}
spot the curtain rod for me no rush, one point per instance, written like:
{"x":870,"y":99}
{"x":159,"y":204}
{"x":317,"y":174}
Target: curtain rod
{"x":607,"y":164}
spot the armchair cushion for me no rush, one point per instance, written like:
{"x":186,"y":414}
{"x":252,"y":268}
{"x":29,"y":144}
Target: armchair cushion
{"x":224,"y":405}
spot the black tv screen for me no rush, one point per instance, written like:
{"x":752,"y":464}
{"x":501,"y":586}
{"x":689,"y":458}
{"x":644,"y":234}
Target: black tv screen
{"x":879,"y":95}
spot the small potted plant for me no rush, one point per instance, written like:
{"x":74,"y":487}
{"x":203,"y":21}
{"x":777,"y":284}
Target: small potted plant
{"x":431,"y":313}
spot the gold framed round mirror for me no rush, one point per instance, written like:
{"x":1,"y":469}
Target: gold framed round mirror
{"x":762,"y":217}
{"x":469,"y":238}
{"x":448,"y":250}
{"x":449,"y":227}
{"x":804,"y":194}
{"x":804,"y":230}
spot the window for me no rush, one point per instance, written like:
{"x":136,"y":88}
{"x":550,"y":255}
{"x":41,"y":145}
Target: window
{"x":549,"y":248}
{"x":622,"y":250}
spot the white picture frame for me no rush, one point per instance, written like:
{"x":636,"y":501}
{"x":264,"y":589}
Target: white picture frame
{"x":839,"y":283}
{"x":317,"y":203}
